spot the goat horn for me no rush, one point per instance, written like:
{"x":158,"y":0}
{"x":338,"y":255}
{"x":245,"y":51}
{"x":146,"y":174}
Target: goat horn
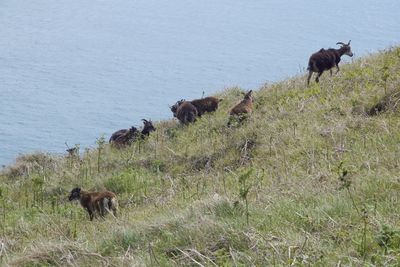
{"x":349,"y":42}
{"x":144,"y":120}
{"x":341,"y":43}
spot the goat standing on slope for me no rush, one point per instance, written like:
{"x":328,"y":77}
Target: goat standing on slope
{"x":175,"y":107}
{"x":207,"y":104}
{"x":127,"y":136}
{"x":243,"y":108}
{"x":202,"y":105}
{"x":186,"y":112}
{"x":326,"y":60}
{"x":95,"y":202}
{"x":123,"y":137}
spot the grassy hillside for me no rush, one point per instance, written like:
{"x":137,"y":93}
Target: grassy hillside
{"x":309,"y":179}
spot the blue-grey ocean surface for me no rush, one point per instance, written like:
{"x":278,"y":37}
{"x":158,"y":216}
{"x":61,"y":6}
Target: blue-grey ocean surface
{"x":72,"y":70}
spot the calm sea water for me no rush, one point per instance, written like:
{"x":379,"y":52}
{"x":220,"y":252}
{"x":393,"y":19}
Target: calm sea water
{"x":72,"y":70}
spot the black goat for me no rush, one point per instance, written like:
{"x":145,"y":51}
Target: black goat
{"x":127,"y":136}
{"x":123,"y":132}
{"x":326,"y":59}
{"x":148,"y":127}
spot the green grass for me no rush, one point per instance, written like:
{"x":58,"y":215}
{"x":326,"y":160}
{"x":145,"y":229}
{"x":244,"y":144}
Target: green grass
{"x":308,"y":179}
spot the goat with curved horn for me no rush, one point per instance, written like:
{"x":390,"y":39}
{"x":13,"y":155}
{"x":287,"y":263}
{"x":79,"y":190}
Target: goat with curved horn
{"x":341,"y":43}
{"x":326,"y":59}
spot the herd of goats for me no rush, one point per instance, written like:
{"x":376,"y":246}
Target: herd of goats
{"x":101,"y":203}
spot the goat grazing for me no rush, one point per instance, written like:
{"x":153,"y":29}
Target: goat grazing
{"x":326,"y":59}
{"x":186,"y":112}
{"x":207,"y":104}
{"x":243,"y":108}
{"x":123,"y":137}
{"x":95,"y":202}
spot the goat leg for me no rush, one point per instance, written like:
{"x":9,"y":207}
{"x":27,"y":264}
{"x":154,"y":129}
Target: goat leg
{"x":319,"y":74}
{"x":91,"y":215}
{"x":309,"y":77}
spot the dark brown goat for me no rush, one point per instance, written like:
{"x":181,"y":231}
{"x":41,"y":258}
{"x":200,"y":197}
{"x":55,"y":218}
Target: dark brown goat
{"x":127,"y":136}
{"x":95,"y":202}
{"x":326,"y":60}
{"x":207,"y":104}
{"x":243,"y":108}
{"x":186,"y":112}
{"x":175,"y":107}
{"x":123,"y":137}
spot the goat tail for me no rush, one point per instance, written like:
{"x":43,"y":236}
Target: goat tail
{"x":310,"y":67}
{"x":111,"y":205}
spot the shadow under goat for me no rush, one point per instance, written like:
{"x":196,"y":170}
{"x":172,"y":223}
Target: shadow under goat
{"x":95,"y":203}
{"x":326,"y":59}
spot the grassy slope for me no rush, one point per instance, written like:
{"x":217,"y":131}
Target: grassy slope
{"x":183,"y":192}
